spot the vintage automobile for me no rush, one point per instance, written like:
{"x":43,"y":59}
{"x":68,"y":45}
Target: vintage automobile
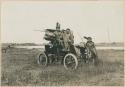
{"x":55,"y":51}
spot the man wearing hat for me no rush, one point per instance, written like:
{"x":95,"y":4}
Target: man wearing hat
{"x":57,"y":26}
{"x":91,"y":46}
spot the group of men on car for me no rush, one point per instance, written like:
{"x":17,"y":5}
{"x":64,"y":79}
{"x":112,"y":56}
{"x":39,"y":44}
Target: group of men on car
{"x":65,"y":39}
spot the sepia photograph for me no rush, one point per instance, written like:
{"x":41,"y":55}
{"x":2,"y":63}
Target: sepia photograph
{"x":62,"y":43}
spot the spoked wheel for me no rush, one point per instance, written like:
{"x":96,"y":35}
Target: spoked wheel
{"x":91,"y":61}
{"x":70,"y":62}
{"x":90,"y":57}
{"x":42,"y":59}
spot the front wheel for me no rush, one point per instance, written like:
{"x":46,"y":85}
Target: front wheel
{"x":42,"y":59}
{"x":70,"y":62}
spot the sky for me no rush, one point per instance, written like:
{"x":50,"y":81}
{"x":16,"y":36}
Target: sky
{"x":102,"y":20}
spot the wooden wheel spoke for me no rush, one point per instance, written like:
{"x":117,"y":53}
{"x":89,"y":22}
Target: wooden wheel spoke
{"x":70,"y":62}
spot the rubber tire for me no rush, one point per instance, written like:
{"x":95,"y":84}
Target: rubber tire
{"x":76,"y":60}
{"x":38,"y":62}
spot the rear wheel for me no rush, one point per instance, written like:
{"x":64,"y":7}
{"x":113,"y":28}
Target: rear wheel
{"x":91,"y":57}
{"x":70,"y":62}
{"x":42,"y":59}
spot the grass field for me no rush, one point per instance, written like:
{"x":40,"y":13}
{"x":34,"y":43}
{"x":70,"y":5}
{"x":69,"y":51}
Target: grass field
{"x":19,"y":68}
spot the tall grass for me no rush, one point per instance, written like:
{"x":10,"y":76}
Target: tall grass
{"x":19,"y":68}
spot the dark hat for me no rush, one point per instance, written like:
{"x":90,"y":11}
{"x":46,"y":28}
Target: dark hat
{"x":67,"y":29}
{"x":88,"y":38}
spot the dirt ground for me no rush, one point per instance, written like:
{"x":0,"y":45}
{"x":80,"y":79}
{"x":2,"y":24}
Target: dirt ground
{"x":19,"y":67}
